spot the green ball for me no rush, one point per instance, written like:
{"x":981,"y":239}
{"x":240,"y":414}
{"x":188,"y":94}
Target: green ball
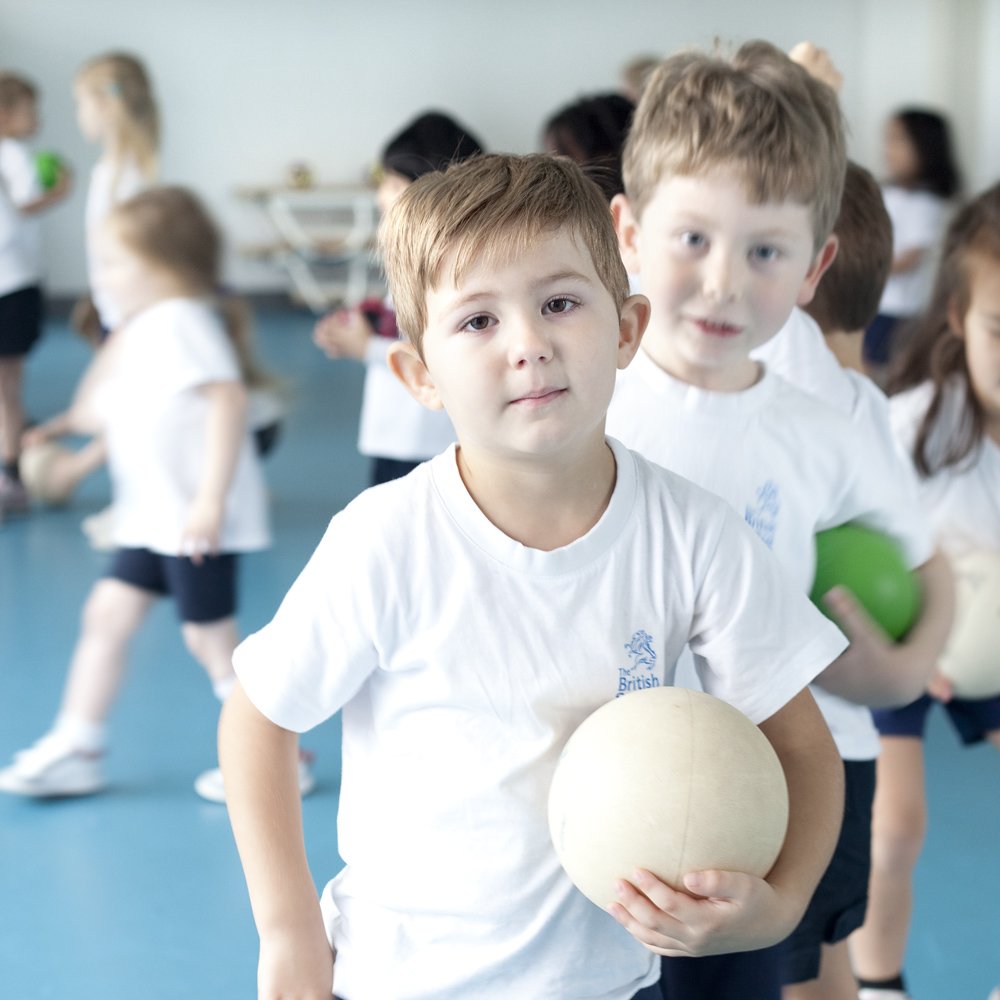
{"x":870,"y":565}
{"x":48,"y":167}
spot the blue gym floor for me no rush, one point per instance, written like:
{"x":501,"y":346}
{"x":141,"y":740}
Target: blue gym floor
{"x":138,"y":892}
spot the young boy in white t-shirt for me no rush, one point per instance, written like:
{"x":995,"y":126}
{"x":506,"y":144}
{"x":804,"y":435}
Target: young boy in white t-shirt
{"x":733,"y":175}
{"x":468,"y":617}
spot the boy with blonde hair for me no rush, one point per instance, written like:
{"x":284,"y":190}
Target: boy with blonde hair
{"x":468,"y":617}
{"x":733,"y":177}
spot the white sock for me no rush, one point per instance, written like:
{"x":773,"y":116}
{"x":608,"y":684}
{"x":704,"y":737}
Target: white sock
{"x":81,"y":733}
{"x":224,"y":687}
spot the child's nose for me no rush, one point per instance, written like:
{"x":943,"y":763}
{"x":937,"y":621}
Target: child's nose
{"x":529,"y":343}
{"x":721,"y":276}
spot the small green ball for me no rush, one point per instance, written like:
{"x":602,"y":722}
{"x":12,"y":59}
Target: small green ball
{"x":49,"y":167}
{"x":870,"y":565}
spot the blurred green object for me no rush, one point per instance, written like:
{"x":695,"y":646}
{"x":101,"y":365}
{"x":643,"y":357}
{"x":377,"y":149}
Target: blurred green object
{"x":870,"y":565}
{"x":49,"y":167}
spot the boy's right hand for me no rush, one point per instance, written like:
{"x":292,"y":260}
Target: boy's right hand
{"x":295,"y":966}
{"x":343,"y":333}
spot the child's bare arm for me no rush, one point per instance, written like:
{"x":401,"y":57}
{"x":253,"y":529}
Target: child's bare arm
{"x":878,"y":672}
{"x":225,"y":433}
{"x":62,"y":187}
{"x":729,"y":911}
{"x":259,"y":764}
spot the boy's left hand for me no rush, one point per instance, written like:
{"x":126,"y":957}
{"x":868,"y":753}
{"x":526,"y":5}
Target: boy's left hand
{"x":720,"y":912}
{"x":200,"y":536}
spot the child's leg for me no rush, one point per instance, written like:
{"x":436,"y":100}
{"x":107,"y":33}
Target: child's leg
{"x":835,"y":982}
{"x":111,"y":617}
{"x":994,"y":737}
{"x":898,"y":827}
{"x":11,"y":409}
{"x":212,"y":644}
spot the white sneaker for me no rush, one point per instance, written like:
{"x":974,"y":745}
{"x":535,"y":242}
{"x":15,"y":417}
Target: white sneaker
{"x":209,"y":784}
{"x":866,"y":993}
{"x":52,"y":768}
{"x":995,"y":995}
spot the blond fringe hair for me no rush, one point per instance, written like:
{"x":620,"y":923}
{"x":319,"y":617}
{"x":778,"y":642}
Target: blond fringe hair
{"x":171,"y":229}
{"x":757,"y":113}
{"x":490,"y":209}
{"x":120,"y":81}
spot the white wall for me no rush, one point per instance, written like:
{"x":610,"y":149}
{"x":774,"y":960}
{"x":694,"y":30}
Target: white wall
{"x":247,"y":86}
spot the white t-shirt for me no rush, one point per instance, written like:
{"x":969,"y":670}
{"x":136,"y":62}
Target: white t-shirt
{"x":20,"y":176}
{"x":962,"y":501}
{"x":109,"y":185}
{"x":393,"y":423}
{"x":155,"y":423}
{"x":463,"y":661}
{"x":17,"y":267}
{"x":785,"y":461}
{"x":918,"y":222}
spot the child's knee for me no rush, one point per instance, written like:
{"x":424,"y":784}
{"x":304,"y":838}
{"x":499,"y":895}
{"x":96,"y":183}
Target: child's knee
{"x":898,"y":835}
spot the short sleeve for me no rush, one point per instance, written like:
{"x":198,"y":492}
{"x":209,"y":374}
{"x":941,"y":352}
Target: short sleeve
{"x":194,"y":348}
{"x":319,"y":648}
{"x":757,"y":640}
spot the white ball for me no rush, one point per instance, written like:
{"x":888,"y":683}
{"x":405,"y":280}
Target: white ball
{"x":37,"y":464}
{"x":971,"y":659}
{"x":670,"y":780}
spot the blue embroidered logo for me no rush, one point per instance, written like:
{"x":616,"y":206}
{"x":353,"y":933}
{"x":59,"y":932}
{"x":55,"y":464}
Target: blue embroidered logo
{"x":641,"y":672}
{"x":763,"y":518}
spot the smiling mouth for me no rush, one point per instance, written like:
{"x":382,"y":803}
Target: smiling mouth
{"x":717,"y":328}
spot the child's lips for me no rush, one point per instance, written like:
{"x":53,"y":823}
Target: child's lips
{"x":539,"y":397}
{"x":716,"y":327}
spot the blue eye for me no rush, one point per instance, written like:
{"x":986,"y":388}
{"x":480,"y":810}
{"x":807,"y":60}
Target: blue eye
{"x":765,"y":253}
{"x":692,"y":239}
{"x":477,"y":324}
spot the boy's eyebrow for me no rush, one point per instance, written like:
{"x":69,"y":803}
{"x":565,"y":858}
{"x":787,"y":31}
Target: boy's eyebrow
{"x":548,"y":279}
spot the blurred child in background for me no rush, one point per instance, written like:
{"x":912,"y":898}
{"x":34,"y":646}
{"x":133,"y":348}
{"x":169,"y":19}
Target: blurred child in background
{"x":947,"y":417}
{"x":396,"y":432}
{"x":921,"y":180}
{"x":188,"y":491}
{"x":592,"y":131}
{"x":22,"y":199}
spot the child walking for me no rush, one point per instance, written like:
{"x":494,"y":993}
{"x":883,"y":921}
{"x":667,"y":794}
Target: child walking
{"x":395,"y":432}
{"x":734,"y":169}
{"x":947,"y":417}
{"x":188,"y":491}
{"x":116,"y":109}
{"x":921,"y":180}
{"x":470,"y":615}
{"x":21,"y":198}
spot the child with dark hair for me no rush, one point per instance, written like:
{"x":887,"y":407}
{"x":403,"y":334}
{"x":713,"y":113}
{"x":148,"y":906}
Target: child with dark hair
{"x":592,"y":132}
{"x":396,"y":432}
{"x":922,"y":178}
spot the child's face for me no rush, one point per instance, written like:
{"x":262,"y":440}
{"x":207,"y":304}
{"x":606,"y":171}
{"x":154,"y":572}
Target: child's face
{"x":980,"y":329}
{"x":523,"y":355}
{"x":898,"y":151}
{"x":91,"y":112}
{"x":21,"y":121}
{"x":390,"y":188}
{"x":721,"y":273}
{"x":125,"y":278}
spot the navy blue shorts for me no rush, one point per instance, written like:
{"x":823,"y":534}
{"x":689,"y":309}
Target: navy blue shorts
{"x":741,"y":975}
{"x":973,"y":719}
{"x":203,"y":593}
{"x":838,"y":905}
{"x":20,"y":321}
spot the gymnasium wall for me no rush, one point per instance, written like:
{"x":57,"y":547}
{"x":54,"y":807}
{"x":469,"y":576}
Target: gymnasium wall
{"x":247,"y":86}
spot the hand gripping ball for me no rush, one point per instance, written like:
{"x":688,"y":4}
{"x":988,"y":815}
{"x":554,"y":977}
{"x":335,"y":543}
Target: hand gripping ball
{"x":870,"y":565}
{"x":971,"y":658}
{"x":670,"y":780}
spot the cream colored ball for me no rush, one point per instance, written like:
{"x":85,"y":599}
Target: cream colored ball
{"x":670,"y":780}
{"x":37,"y":464}
{"x":971,"y":658}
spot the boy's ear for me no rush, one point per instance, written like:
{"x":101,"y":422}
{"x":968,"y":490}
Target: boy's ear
{"x":408,"y":366}
{"x":627,"y":228}
{"x":824,"y":258}
{"x":631,"y":326}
